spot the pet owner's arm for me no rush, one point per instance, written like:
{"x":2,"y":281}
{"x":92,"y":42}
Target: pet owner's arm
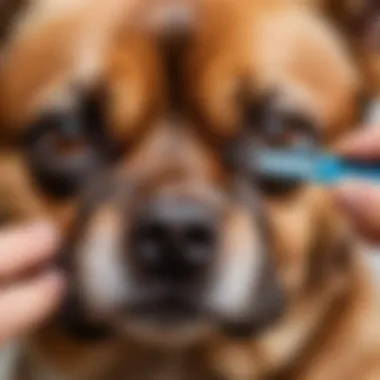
{"x":25,"y":301}
{"x":359,"y":200}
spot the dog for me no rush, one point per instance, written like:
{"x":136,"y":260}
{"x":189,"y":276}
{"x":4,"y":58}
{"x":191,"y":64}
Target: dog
{"x":132,"y":125}
{"x":359,"y":23}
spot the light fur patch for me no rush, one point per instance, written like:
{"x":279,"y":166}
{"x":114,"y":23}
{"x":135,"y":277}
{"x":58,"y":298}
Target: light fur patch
{"x":238,"y":271}
{"x":104,"y":279}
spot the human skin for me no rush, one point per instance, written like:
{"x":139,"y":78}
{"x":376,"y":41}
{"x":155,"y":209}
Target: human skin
{"x":361,"y":200}
{"x":27,"y":297}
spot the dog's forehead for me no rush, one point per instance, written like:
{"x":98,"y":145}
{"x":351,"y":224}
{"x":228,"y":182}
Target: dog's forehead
{"x":269,"y":45}
{"x":57,"y":46}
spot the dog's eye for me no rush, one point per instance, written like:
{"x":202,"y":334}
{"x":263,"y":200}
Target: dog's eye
{"x":268,"y":127}
{"x":65,"y":148}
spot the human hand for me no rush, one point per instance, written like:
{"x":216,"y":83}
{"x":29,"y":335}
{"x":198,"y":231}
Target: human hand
{"x":25,"y":301}
{"x":359,"y":200}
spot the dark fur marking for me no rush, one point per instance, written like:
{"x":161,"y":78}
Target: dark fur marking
{"x":174,"y":47}
{"x":71,"y":318}
{"x":352,"y":22}
{"x":9,"y":11}
{"x":330,"y":255}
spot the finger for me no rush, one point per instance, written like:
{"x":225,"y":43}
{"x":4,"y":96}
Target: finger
{"x":24,"y":247}
{"x":24,"y":306}
{"x":361,"y":203}
{"x":364,"y":144}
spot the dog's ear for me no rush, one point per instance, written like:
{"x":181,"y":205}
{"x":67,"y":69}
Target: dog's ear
{"x":9,"y":10}
{"x":356,"y":18}
{"x":359,"y":23}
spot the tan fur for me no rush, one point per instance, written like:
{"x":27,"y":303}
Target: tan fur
{"x":330,"y":329}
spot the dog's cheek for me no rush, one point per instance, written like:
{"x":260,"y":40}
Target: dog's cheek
{"x":252,"y":298}
{"x":271,"y":301}
{"x":74,"y":316}
{"x":267,"y":307}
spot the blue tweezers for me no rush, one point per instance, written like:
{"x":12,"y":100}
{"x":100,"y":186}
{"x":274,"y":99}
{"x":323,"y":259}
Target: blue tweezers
{"x":311,"y":166}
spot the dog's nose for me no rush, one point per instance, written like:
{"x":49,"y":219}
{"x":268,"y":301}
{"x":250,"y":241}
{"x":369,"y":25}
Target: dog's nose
{"x":174,"y":240}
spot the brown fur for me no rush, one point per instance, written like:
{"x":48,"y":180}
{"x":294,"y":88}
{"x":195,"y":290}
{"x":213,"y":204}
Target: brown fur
{"x":330,"y":328}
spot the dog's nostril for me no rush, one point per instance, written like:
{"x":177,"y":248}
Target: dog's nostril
{"x":150,"y":239}
{"x":154,"y":234}
{"x":199,"y":235}
{"x":175,"y":241}
{"x":199,"y":241}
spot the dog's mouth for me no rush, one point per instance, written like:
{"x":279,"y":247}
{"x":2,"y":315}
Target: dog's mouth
{"x":166,"y":311}
{"x":169,"y":319}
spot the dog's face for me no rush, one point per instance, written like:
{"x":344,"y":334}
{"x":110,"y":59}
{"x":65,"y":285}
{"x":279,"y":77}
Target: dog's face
{"x":139,"y":141}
